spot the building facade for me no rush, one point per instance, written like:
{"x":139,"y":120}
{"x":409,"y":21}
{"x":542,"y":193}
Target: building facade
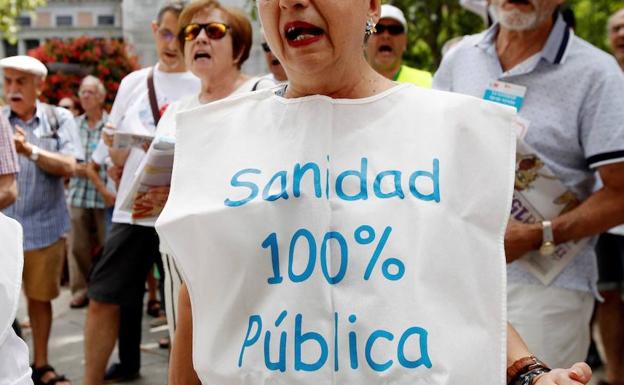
{"x":65,"y":19}
{"x":128,"y":19}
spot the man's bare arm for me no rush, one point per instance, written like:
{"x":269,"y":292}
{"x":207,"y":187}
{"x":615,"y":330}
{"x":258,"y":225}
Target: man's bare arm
{"x":602,"y":211}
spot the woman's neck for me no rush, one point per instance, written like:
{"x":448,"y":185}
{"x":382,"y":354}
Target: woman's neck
{"x":354,"y":82}
{"x":218,"y":87}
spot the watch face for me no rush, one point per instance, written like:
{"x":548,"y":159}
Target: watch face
{"x":547,"y":249}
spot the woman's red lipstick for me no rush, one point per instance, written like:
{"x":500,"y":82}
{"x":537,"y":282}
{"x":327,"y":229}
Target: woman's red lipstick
{"x":300,"y":33}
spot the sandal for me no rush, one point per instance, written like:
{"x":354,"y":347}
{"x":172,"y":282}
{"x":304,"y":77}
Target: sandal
{"x":39,"y":373}
{"x":153,"y":307}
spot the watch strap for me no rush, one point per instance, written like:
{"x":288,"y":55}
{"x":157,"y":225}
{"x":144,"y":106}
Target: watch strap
{"x":525,"y":369}
{"x":519,"y":366}
{"x":529,"y":377}
{"x":547,"y":232}
{"x":34,"y":153}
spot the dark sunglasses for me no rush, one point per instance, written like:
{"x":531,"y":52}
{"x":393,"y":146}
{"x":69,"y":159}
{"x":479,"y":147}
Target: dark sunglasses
{"x":266,"y":48}
{"x":393,"y":29}
{"x":213,"y":30}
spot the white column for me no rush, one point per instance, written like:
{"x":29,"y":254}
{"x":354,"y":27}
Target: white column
{"x":21,"y":47}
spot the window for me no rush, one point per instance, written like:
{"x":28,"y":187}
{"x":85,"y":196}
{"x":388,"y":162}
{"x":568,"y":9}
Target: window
{"x":64,"y":21}
{"x":23,"y":21}
{"x":106,"y":20}
{"x":9,"y":49}
{"x":31,"y":43}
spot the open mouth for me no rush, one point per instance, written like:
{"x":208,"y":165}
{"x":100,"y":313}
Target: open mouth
{"x":201,"y":55}
{"x":384,"y":48}
{"x":301,"y":33}
{"x":520,"y":2}
{"x":15,"y":98}
{"x":275,"y":62}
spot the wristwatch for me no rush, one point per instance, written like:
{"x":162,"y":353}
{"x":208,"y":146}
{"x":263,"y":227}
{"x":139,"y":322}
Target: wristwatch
{"x":34,"y":154}
{"x":548,"y":240}
{"x":525,"y":370}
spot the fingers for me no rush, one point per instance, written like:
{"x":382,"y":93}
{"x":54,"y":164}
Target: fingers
{"x":581,"y":372}
{"x":20,"y":130}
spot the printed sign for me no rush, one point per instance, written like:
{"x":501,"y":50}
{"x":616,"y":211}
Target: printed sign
{"x":540,"y":195}
{"x":506,"y":93}
{"x":344,"y":241}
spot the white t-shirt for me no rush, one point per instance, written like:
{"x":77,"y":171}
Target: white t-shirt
{"x":131,"y":112}
{"x":100,"y":156}
{"x":14,"y":369}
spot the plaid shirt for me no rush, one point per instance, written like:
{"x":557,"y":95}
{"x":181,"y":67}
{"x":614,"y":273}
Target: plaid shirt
{"x":82,"y":192}
{"x":40,"y":207}
{"x":8,"y":156}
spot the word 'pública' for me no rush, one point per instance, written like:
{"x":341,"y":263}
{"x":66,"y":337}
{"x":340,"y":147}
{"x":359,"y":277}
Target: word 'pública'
{"x":412,"y":340}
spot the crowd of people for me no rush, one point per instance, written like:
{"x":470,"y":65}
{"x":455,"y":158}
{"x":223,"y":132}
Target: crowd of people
{"x":64,"y":180}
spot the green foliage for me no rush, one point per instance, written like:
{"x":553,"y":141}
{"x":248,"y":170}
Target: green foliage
{"x":434,"y":22}
{"x":430,"y":24}
{"x":9,"y":10}
{"x":592,"y":17}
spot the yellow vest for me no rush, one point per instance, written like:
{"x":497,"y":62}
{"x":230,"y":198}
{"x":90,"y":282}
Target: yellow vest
{"x":412,"y":75}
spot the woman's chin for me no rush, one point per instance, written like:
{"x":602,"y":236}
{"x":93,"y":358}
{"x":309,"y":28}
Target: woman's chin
{"x":306,"y":64}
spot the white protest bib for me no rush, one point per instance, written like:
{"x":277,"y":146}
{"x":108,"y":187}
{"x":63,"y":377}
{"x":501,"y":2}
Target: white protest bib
{"x":344,"y":241}
{"x":11,"y":264}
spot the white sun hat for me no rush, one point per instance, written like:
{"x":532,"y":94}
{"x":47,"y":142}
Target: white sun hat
{"x":25,"y":64}
{"x":391,"y":12}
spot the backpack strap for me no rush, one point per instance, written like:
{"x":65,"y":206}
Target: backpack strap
{"x":52,"y":119}
{"x":151,"y":91}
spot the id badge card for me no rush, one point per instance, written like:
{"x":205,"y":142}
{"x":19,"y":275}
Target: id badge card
{"x":506,"y":93}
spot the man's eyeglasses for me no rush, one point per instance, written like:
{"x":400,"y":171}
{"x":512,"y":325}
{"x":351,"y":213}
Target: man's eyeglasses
{"x":213,"y":30}
{"x":393,"y":29}
{"x":266,"y":48}
{"x":166,"y":34}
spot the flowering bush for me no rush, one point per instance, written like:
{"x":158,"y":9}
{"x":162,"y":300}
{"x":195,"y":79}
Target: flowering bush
{"x":70,"y":60}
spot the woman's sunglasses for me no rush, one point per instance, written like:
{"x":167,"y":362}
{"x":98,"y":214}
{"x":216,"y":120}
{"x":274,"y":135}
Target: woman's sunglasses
{"x":393,"y":29}
{"x":214,"y":31}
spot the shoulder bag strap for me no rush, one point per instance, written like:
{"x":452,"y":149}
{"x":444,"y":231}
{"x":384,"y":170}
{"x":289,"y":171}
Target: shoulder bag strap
{"x":151,"y":91}
{"x":52,"y":119}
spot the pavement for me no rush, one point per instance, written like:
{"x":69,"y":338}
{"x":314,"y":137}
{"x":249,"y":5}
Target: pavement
{"x":66,"y":350}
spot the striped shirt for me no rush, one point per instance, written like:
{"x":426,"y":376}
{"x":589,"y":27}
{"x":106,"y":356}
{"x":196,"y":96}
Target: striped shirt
{"x":8,"y":156}
{"x":40,"y":207}
{"x":574,"y":108}
{"x":82,"y":192}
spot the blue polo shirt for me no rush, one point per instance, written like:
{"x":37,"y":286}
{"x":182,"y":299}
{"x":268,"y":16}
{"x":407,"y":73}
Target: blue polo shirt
{"x":40,"y":207}
{"x":574,"y":108}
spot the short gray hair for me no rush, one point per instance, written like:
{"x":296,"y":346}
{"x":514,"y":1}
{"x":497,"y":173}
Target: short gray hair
{"x":90,"y":79}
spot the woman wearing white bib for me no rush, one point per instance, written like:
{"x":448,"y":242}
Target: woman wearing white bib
{"x":215,"y":41}
{"x":253,"y":323}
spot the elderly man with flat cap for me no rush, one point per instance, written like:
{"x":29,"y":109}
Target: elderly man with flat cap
{"x":386,"y":46}
{"x":44,"y":139}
